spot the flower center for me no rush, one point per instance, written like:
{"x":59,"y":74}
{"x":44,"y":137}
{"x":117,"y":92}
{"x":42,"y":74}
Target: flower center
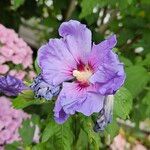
{"x":84,"y":75}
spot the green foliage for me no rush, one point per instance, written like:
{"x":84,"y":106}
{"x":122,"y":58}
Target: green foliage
{"x":122,"y":106}
{"x":87,"y":7}
{"x":87,"y":127}
{"x":37,"y":68}
{"x":12,"y":146}
{"x":122,"y":103}
{"x":146,"y":103}
{"x":129,"y":20}
{"x":26,"y":99}
{"x":49,"y":131}
{"x":60,"y":136}
{"x":27,"y":132}
{"x":137,"y":79}
{"x":82,"y":141}
{"x":40,"y":146}
{"x":17,"y":3}
{"x":112,"y":129}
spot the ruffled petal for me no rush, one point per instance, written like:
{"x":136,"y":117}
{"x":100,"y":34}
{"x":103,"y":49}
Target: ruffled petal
{"x":71,"y":96}
{"x":92,"y":104}
{"x":42,"y":89}
{"x":59,"y":115}
{"x":78,"y":39}
{"x":105,"y":115}
{"x":56,"y":62}
{"x":73,"y":99}
{"x":100,"y":51}
{"x":110,"y":74}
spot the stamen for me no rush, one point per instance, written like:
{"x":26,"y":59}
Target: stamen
{"x":82,"y":76}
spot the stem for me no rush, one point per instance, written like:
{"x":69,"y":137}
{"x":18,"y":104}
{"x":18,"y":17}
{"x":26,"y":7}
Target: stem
{"x":134,"y":40}
{"x":102,"y":28}
{"x":71,"y":8}
{"x":104,"y":15}
{"x":131,"y":125}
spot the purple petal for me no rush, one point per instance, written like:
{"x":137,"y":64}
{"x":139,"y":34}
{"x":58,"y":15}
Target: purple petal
{"x":42,"y":89}
{"x":105,"y":115}
{"x":92,"y":104}
{"x":109,"y":43}
{"x":11,"y":86}
{"x":56,"y":62}
{"x":78,"y":39}
{"x":72,"y":98}
{"x":60,"y":115}
{"x":110,"y":74}
{"x":100,"y":51}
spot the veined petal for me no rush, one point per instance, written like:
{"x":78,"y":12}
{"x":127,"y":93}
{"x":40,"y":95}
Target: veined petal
{"x":109,"y":72}
{"x":74,"y":99}
{"x":92,"y":104}
{"x":56,"y":62}
{"x":11,"y":86}
{"x":59,"y":114}
{"x":78,"y":39}
{"x":110,"y":75}
{"x":71,"y":96}
{"x":100,"y":51}
{"x":42,"y":89}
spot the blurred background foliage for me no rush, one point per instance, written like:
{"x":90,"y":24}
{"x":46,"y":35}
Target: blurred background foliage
{"x":38,"y":20}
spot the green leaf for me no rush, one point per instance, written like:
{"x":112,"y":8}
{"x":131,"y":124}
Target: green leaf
{"x":126,"y":61}
{"x":37,"y":68}
{"x":17,"y":3}
{"x":27,"y":132}
{"x":137,"y":78}
{"x":122,"y":107}
{"x":87,"y":126}
{"x":146,"y":103}
{"x":112,"y":128}
{"x":61,"y":134}
{"x":35,"y":119}
{"x":40,"y":146}
{"x":88,"y":5}
{"x":82,"y":141}
{"x":146,"y":99}
{"x":12,"y":146}
{"x":64,"y":136}
{"x":50,"y":129}
{"x":122,"y":103}
{"x":146,"y":61}
{"x":25,"y":99}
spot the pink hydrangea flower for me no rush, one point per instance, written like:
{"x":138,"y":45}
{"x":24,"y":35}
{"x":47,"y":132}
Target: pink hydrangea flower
{"x":10,"y":121}
{"x":139,"y":146}
{"x":119,"y":143}
{"x":14,"y":50}
{"x":4,"y":69}
{"x":32,"y":74}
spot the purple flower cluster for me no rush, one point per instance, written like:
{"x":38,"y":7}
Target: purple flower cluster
{"x":14,"y":50}
{"x":11,"y":86}
{"x":86,"y":71}
{"x":10,"y":121}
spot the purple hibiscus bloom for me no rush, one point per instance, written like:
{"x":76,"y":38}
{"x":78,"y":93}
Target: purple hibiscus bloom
{"x":11,"y":86}
{"x":94,"y":70}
